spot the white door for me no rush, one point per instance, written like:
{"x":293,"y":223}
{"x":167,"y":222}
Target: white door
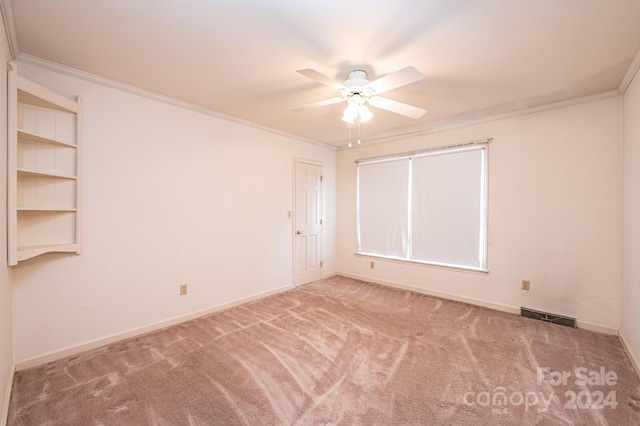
{"x":308,"y":222}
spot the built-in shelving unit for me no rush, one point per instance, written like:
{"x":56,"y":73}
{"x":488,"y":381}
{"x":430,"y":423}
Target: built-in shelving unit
{"x":44,"y":170}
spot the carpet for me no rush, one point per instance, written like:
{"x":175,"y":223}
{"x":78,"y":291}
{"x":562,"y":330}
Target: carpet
{"x":340,"y":352}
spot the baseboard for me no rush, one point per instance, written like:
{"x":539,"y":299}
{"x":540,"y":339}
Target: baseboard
{"x":596,"y":327}
{"x":632,"y":357}
{"x":329,"y":275}
{"x":7,"y":397}
{"x":442,"y":295}
{"x":73,"y":350}
{"x":76,"y":349}
{"x":477,"y":302}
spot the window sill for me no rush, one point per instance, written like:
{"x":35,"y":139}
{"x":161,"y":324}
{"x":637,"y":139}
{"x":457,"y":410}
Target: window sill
{"x":454,"y":268}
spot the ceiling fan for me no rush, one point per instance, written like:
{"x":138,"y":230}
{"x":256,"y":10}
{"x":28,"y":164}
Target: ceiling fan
{"x":357,"y":91}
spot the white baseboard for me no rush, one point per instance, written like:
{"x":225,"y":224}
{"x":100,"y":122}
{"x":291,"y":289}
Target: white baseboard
{"x":484,"y":303}
{"x":632,"y":357}
{"x":7,"y":397}
{"x":596,"y":327}
{"x":73,"y":350}
{"x":329,"y":275}
{"x":55,"y":355}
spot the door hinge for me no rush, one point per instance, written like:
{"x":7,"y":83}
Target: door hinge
{"x":320,"y":178}
{"x":321,"y":264}
{"x":320,"y":221}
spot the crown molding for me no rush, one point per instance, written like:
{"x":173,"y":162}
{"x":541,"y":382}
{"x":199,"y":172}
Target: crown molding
{"x":631,"y":72}
{"x":438,"y":126}
{"x":10,"y":27}
{"x":462,"y":122}
{"x":23,"y":58}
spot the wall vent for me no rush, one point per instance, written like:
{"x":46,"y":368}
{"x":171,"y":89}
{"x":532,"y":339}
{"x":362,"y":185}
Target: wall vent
{"x":548,"y":317}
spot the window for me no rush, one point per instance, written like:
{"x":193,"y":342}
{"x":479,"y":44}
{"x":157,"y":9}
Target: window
{"x":427,"y":207}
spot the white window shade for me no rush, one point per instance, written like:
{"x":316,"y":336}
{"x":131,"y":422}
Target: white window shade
{"x":383,"y":208}
{"x":446,"y":208}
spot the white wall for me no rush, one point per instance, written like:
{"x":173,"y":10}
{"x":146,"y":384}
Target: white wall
{"x":630,"y":318}
{"x":554,"y":215}
{"x":6,"y":318}
{"x":170,"y":196}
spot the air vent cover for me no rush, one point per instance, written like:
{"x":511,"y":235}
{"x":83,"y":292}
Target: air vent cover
{"x":548,"y":317}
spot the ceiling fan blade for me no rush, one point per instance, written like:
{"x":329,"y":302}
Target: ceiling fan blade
{"x":397,"y":107}
{"x":394,"y":80}
{"x":317,"y":104}
{"x":321,"y":78}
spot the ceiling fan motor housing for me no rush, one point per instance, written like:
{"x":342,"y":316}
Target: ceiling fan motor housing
{"x":357,"y":80}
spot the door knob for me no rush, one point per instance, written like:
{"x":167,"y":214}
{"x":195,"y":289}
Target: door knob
{"x":299,"y":232}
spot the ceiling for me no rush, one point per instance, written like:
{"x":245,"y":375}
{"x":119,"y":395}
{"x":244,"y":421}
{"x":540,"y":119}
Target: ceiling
{"x":480,"y":58}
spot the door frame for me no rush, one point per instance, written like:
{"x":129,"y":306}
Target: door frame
{"x":297,"y":160}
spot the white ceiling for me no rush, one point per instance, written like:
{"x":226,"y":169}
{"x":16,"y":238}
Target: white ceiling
{"x":238,"y":58}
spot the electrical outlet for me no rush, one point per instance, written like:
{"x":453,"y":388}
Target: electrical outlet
{"x":183,"y":289}
{"x":372,"y":265}
{"x":526,"y":285}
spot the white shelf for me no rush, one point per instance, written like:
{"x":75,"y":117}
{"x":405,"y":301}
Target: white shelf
{"x":37,"y":173}
{"x":33,"y":137}
{"x":44,"y":170}
{"x":37,"y":95}
{"x":27,"y":252}
{"x":45,"y":209}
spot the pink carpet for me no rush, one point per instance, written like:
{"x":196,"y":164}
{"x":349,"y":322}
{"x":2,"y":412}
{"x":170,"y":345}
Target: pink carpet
{"x":341,"y":351}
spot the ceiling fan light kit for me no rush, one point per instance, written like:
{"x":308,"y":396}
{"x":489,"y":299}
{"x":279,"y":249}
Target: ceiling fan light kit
{"x":364,"y":114}
{"x":356,"y":110}
{"x":350,"y":113}
{"x":357,"y":91}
